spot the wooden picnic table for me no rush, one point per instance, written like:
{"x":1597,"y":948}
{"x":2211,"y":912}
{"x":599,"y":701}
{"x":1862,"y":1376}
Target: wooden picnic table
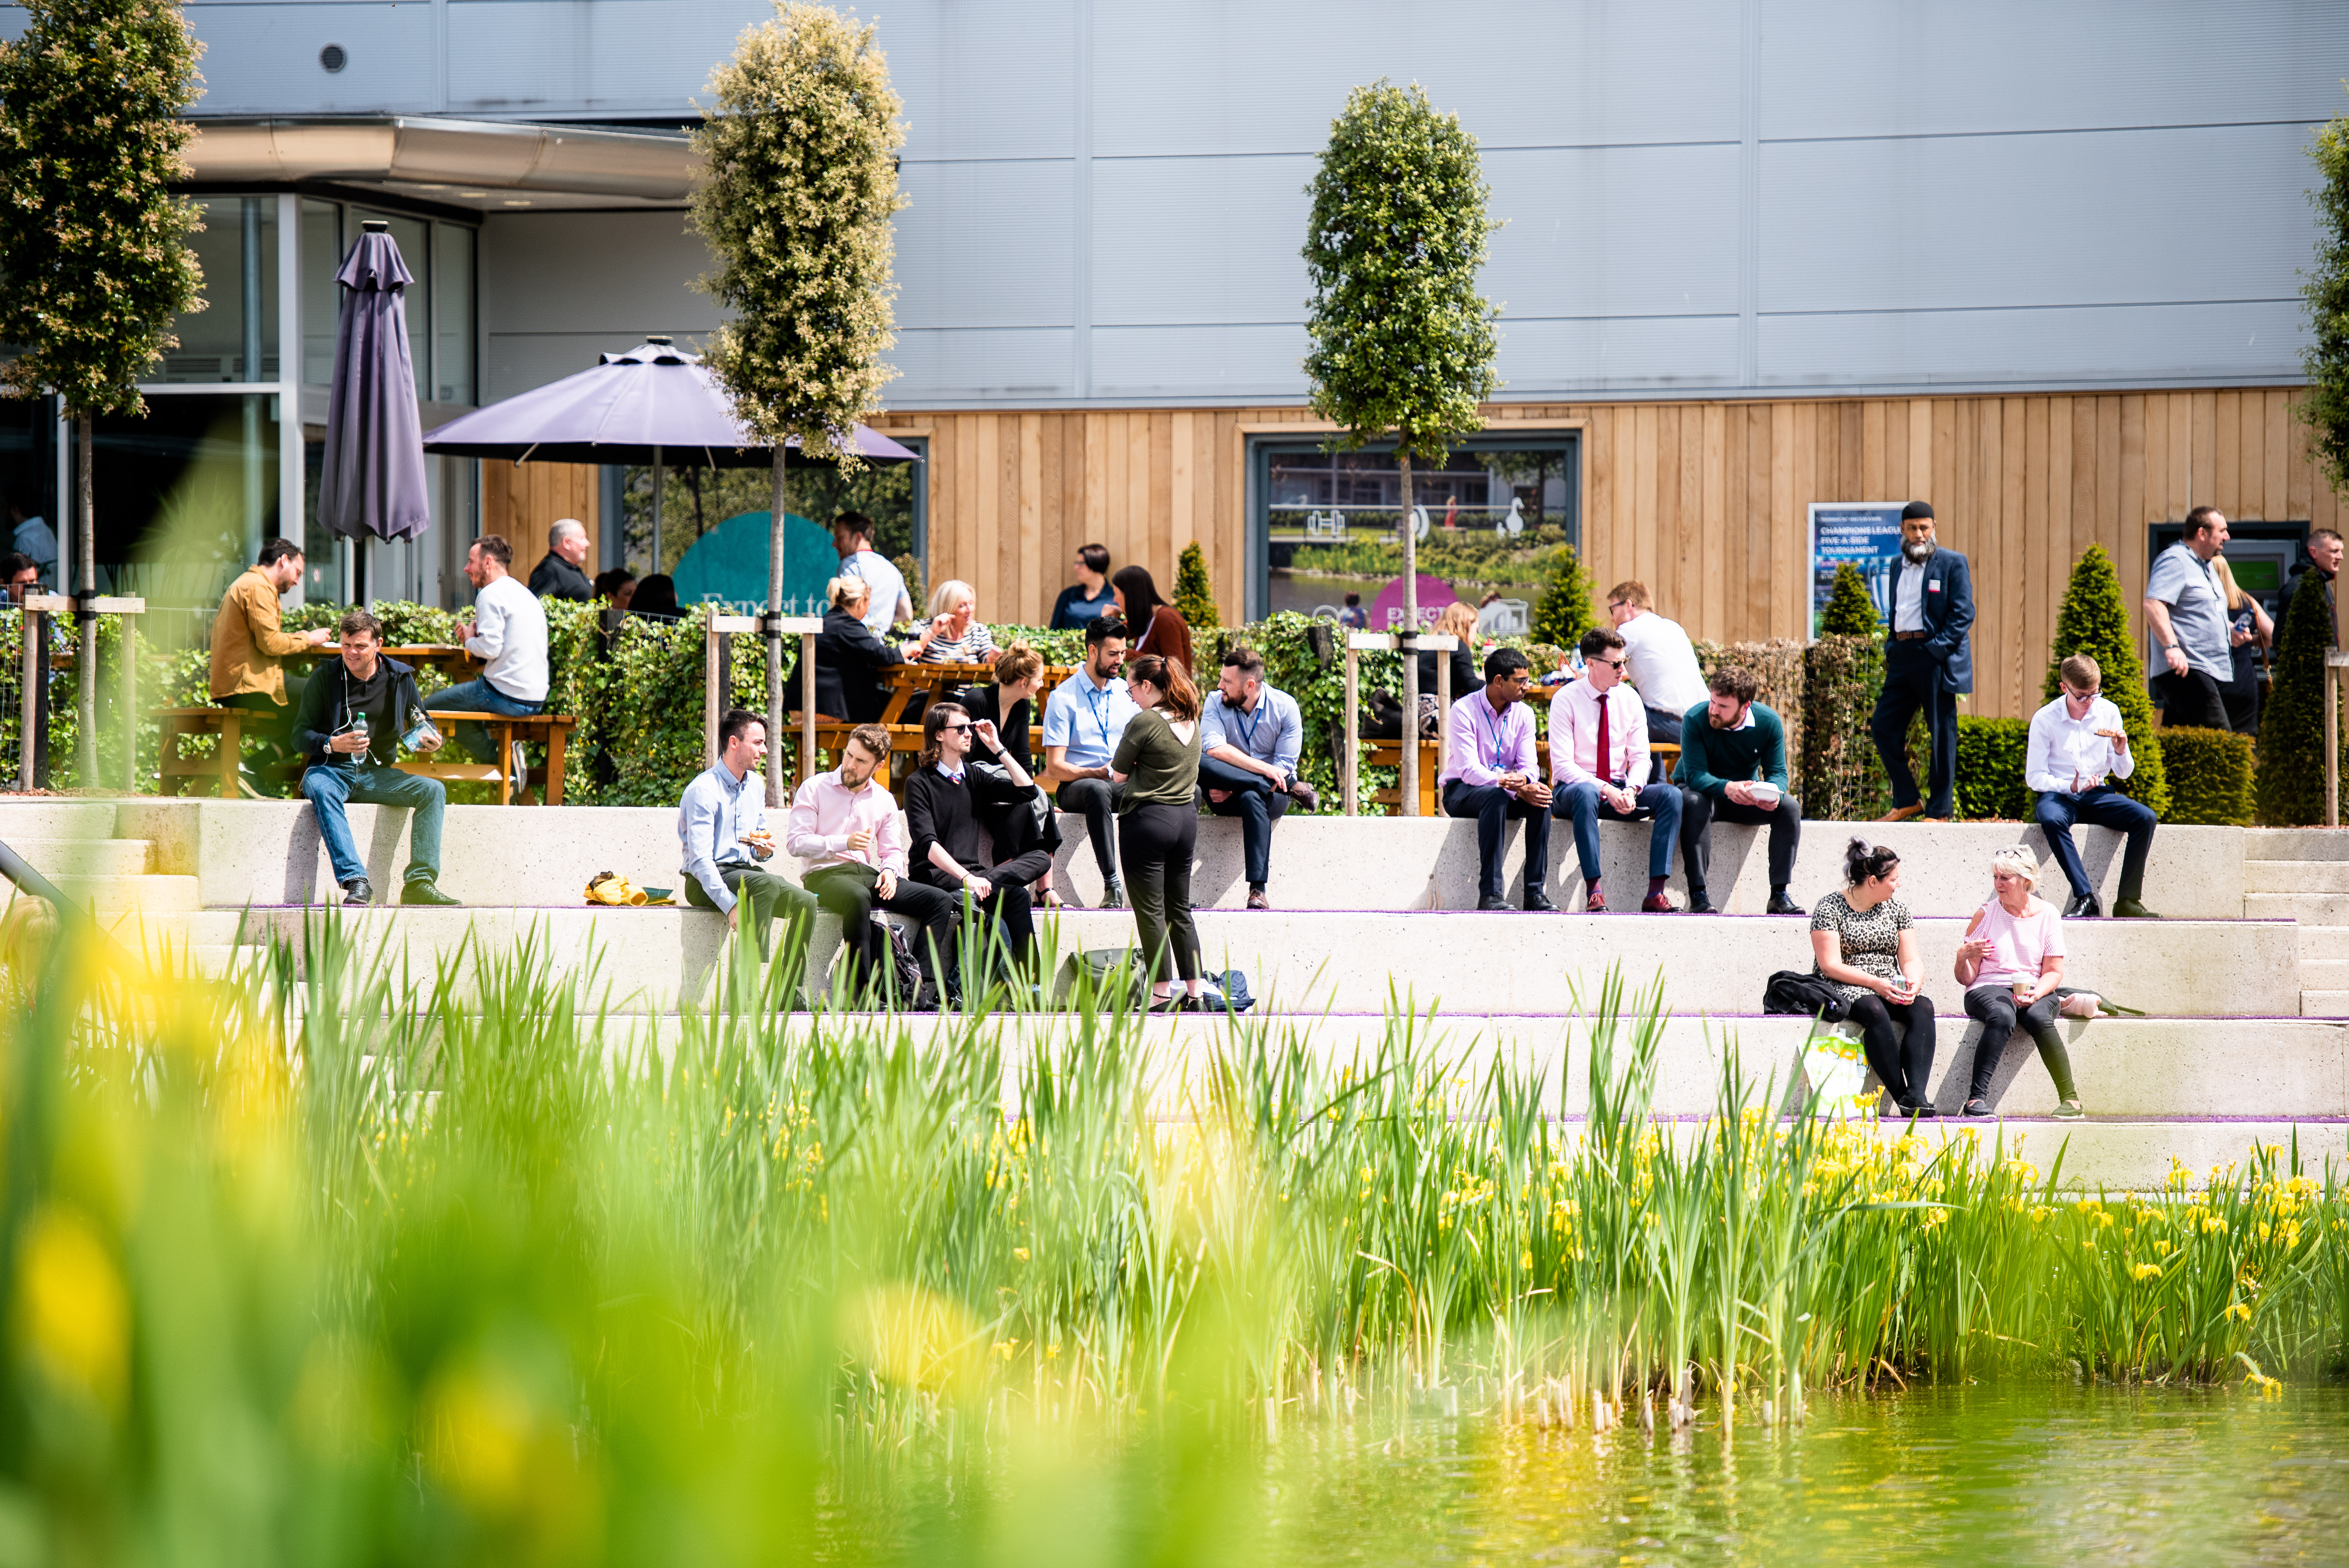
{"x":932,"y":681}
{"x":448,"y":657}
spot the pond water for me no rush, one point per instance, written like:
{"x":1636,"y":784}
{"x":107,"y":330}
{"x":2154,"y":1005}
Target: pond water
{"x":2019,"y":1473}
{"x":2008,"y":1474}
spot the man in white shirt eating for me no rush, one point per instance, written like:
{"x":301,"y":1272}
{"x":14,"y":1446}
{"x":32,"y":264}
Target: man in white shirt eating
{"x":2075,"y":742}
{"x":1661,"y":666}
{"x":1598,"y":768}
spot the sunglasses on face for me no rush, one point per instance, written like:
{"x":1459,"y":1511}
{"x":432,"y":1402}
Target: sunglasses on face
{"x":1611,"y":663}
{"x":952,"y":728}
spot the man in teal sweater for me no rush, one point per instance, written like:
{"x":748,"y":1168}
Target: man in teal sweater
{"x":1734,"y":769}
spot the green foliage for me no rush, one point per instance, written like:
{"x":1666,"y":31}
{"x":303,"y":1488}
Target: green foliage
{"x":1461,"y":557}
{"x":1843,"y":778}
{"x":1990,"y":753}
{"x":2210,"y":773}
{"x":2291,"y":779}
{"x":90,"y":233}
{"x":1564,"y":612}
{"x":800,"y":152}
{"x":1195,"y":590}
{"x":1851,"y":609}
{"x":2324,"y":406}
{"x":1403,"y":343}
{"x":2094,"y":620}
{"x":917,"y":582}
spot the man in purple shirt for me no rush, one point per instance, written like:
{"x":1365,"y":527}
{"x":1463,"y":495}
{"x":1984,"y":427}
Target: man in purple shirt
{"x":1492,"y":773}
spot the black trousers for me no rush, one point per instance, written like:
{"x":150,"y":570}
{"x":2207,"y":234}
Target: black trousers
{"x":2192,"y":699}
{"x":1010,"y":906}
{"x":1157,"y":844}
{"x":1700,"y":810}
{"x":1493,"y":806}
{"x":1097,"y":799}
{"x":1995,"y":1005}
{"x":1913,"y":684}
{"x":1903,"y":1064}
{"x":1663,"y":726}
{"x":851,"y":892}
{"x":1254,"y":802}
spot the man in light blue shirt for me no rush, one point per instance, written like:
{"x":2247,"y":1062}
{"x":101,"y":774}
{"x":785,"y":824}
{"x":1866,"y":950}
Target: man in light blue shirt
{"x":721,"y":826}
{"x":1250,"y":735}
{"x":852,"y":534}
{"x":1084,"y":719}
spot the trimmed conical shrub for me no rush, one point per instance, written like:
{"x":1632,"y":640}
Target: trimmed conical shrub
{"x":2095,"y":622}
{"x":1564,"y":612}
{"x":2290,"y":784}
{"x":1850,"y":610}
{"x":1195,"y":591}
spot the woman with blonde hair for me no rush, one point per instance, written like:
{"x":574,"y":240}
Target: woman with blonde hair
{"x":1157,"y":760}
{"x":2011,"y":965}
{"x":848,"y":656}
{"x":2249,"y":632}
{"x":1458,"y":620}
{"x":956,"y":635}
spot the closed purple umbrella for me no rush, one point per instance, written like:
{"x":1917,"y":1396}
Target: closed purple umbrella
{"x":374,"y":485}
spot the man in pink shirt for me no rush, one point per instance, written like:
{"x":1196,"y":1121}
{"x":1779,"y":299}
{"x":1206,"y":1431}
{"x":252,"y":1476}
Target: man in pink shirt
{"x":1491,"y":773}
{"x":851,"y":840}
{"x":1598,"y":768}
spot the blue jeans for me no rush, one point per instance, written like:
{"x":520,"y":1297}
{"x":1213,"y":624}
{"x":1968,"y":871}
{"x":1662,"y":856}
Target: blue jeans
{"x":1582,"y":805}
{"x":1254,"y":802}
{"x":330,"y":786}
{"x":478,"y":697}
{"x":2099,"y":807}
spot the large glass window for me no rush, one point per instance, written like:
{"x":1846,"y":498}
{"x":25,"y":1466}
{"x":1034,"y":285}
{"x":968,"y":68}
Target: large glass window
{"x":322,"y":258}
{"x":234,"y":336}
{"x":1489,"y":521}
{"x":185,"y":495}
{"x":452,"y":313}
{"x":694,"y":501}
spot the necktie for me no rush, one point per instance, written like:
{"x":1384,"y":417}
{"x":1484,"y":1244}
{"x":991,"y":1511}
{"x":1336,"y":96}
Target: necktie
{"x":1606,"y":773}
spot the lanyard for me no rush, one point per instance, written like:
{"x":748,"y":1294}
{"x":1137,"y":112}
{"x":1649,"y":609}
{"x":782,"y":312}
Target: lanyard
{"x":1097,"y":701}
{"x":1247,"y":736}
{"x":1499,"y":725}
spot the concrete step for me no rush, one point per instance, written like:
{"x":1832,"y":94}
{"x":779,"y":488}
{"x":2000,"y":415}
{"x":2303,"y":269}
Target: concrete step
{"x":2323,"y":974}
{"x":648,"y":960}
{"x":2306,"y":908}
{"x":2295,"y":843}
{"x":2296,"y":876}
{"x":2138,"y":1154}
{"x":56,"y":858}
{"x":150,"y":894}
{"x":268,"y":852}
{"x":2324,"y":1004}
{"x":153,"y":935}
{"x":55,"y":816}
{"x":2323,"y":941}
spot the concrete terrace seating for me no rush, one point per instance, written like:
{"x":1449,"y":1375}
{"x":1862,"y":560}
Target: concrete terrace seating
{"x":1370,"y":909}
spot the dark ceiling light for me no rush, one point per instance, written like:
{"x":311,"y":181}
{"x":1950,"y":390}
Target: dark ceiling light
{"x":333,"y":58}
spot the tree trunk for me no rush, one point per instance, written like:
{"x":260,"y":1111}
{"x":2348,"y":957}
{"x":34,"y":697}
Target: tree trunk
{"x":85,"y":620}
{"x":775,"y":636}
{"x":1410,"y":780}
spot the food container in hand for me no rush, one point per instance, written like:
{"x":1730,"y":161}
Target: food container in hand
{"x":1765,"y":795}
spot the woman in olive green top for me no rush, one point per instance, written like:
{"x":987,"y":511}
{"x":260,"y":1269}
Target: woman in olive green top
{"x":1158,"y":822}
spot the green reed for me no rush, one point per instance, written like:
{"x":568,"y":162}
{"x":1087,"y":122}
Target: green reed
{"x":373,"y":1261}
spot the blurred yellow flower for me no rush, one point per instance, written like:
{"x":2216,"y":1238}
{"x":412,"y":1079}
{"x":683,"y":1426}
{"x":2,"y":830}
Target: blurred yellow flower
{"x":72,"y":1312}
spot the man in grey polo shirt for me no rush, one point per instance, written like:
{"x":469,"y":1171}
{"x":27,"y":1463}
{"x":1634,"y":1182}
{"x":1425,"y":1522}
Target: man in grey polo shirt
{"x":1250,"y":735}
{"x":2185,"y":610}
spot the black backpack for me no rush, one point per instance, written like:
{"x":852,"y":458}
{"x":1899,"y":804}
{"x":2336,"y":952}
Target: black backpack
{"x":1791,"y":991}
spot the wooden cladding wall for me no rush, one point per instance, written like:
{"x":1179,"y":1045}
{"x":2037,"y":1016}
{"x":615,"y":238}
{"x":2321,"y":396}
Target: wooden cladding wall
{"x":1704,"y":501}
{"x":522,"y":500}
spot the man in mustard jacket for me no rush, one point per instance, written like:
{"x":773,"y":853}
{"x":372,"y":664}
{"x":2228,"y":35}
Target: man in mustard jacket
{"x":250,"y":646}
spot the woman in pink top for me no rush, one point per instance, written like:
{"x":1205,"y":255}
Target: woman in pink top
{"x":2011,"y":964}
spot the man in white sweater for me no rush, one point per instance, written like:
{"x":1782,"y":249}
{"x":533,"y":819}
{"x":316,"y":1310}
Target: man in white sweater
{"x":509,"y":632}
{"x":1662,"y":668}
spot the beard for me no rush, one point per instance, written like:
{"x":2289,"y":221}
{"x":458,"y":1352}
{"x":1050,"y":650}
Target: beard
{"x":1919,"y":553}
{"x":1717,"y":722}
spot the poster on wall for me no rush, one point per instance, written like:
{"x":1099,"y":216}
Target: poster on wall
{"x":1867,"y":534}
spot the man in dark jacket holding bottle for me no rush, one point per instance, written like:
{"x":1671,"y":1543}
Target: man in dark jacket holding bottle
{"x":1928,"y":663}
{"x":356,"y":714}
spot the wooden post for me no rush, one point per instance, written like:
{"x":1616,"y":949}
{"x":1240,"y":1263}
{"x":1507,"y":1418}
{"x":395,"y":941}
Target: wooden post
{"x":713,"y":701}
{"x":1349,"y":744}
{"x":808,"y":629}
{"x":130,"y":704}
{"x":2335,"y":659}
{"x":36,"y":664}
{"x":1407,"y":776}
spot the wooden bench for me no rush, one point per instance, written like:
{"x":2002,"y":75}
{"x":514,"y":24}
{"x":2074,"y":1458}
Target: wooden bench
{"x":215,"y":774}
{"x":550,"y":729}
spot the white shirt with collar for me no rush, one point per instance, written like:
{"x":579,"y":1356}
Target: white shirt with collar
{"x":1909,"y":597}
{"x":1661,"y":663}
{"x":2067,"y":756}
{"x":1573,"y":736}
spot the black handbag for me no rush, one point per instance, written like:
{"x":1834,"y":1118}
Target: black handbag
{"x":1791,"y":992}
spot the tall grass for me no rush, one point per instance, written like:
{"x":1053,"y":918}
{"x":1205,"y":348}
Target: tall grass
{"x":364,"y":1263}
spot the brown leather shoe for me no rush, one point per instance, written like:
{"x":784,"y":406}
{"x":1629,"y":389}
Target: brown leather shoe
{"x":1902,"y":813}
{"x":1657,"y":903}
{"x":1257,"y":899}
{"x":1595,"y":904}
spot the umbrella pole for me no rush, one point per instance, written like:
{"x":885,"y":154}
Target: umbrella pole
{"x":657,"y":501}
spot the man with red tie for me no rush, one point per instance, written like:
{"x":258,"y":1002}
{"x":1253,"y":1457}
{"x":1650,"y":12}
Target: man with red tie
{"x":1598,"y":768}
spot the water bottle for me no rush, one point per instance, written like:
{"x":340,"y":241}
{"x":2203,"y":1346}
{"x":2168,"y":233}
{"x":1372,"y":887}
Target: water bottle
{"x":359,"y":727}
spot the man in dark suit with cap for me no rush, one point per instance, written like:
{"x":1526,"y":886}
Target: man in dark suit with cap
{"x":1927,"y":663}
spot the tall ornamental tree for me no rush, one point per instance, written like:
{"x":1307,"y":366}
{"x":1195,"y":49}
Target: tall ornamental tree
{"x":2093,"y":621}
{"x":1850,"y":609}
{"x":2325,"y":405}
{"x":93,"y":262}
{"x":799,"y":184}
{"x":1403,"y":344}
{"x":2290,"y":782}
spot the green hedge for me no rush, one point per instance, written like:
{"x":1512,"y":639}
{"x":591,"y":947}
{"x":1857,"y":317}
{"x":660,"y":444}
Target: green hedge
{"x":1990,"y":753}
{"x":2210,"y":777}
{"x":1842,"y":778}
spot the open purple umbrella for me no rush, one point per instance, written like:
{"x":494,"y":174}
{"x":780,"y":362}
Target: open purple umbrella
{"x":374,"y":485}
{"x":655,"y":404}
